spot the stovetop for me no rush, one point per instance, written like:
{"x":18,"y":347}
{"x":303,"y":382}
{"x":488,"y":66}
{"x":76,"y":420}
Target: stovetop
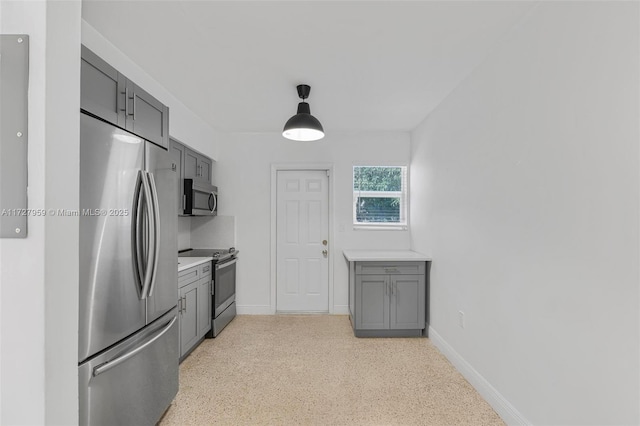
{"x":218,"y":254}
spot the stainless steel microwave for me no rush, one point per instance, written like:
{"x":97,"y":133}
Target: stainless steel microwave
{"x":200,"y":199}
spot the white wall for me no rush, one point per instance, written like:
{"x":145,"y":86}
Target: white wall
{"x":213,"y":232}
{"x":184,"y":125}
{"x":184,"y":233}
{"x":243,"y":177}
{"x":525,"y":189}
{"x":38,"y":275}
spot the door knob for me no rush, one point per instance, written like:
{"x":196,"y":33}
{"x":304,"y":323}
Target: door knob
{"x":324,"y":253}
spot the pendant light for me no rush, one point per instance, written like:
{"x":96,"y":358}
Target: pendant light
{"x":303,"y":126}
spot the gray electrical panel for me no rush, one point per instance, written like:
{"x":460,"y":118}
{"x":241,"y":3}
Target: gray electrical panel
{"x":14,"y":85}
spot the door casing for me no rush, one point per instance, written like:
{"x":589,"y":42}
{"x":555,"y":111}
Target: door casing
{"x":274,"y":190}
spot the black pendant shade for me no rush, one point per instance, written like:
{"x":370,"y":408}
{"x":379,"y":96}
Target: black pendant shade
{"x":303,"y":126}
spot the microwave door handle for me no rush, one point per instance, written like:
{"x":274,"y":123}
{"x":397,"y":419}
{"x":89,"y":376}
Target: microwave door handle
{"x":211,"y":202}
{"x":148,"y":274}
{"x":156,"y":230}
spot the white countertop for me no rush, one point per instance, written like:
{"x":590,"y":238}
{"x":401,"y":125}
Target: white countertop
{"x":383,"y":255}
{"x":189,"y":262}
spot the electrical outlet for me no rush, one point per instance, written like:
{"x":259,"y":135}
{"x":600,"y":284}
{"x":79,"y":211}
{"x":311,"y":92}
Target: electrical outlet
{"x":461,"y":319}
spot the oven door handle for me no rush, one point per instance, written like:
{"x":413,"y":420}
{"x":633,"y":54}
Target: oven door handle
{"x":225,"y":264}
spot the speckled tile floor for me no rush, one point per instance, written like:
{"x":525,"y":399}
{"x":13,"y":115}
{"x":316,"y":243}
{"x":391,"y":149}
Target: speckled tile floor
{"x":311,"y":370}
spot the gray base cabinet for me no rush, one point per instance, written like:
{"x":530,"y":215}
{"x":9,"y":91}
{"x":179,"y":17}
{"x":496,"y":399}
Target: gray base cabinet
{"x":188,"y":305}
{"x":387,"y":298}
{"x":194,"y":306}
{"x":108,"y":94}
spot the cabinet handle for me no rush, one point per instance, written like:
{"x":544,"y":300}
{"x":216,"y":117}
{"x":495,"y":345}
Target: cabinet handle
{"x":185,"y":305}
{"x":393,"y":289}
{"x":126,"y":101}
{"x":127,"y":98}
{"x":134,"y":106}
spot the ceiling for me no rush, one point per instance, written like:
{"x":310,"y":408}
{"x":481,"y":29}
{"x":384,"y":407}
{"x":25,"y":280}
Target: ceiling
{"x":371,"y":65}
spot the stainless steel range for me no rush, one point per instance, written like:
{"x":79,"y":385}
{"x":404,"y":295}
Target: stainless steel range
{"x":224,"y":285}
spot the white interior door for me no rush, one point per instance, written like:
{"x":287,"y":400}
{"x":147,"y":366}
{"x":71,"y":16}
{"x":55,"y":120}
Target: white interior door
{"x":302,"y":232}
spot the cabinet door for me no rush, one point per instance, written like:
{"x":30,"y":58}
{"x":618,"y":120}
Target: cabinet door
{"x":204,"y":306}
{"x":188,"y":317}
{"x":205,"y":169}
{"x":407,"y":302}
{"x":149,"y":117}
{"x":191,"y":165}
{"x":102,"y":89}
{"x":372,"y":302}
{"x":177,"y":154}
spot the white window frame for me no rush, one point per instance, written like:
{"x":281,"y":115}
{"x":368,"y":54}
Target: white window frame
{"x":403,"y":225}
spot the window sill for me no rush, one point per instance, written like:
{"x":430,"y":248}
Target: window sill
{"x":376,"y":227}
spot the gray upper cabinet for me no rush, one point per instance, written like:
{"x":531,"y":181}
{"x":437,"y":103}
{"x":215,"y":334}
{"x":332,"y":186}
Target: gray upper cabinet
{"x":102,"y":89}
{"x":108,"y":94}
{"x":177,"y":151}
{"x":197,"y":166}
{"x":205,"y":169}
{"x":190,"y":165}
{"x":147,"y":116}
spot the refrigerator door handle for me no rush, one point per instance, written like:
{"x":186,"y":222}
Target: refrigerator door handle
{"x":136,"y":235}
{"x":156,"y":230}
{"x":148,"y":275}
{"x":104,"y":367}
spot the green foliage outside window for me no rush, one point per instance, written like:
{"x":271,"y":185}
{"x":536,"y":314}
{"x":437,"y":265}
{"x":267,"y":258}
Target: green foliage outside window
{"x":377,"y":179}
{"x":377,"y":209}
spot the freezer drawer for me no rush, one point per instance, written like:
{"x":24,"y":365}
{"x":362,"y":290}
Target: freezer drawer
{"x":134,"y":382}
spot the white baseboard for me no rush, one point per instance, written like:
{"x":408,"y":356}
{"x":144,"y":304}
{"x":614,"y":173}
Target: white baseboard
{"x":254,"y":310}
{"x":340,"y":309}
{"x":266,"y":310}
{"x":499,"y":403}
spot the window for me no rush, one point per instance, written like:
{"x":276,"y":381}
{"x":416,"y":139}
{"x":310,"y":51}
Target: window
{"x":380,"y":197}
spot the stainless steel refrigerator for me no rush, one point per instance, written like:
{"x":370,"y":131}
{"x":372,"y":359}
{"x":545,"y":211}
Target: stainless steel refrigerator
{"x":128,"y":334}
